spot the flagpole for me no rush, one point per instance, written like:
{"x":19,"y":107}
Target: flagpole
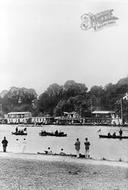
{"x":121,"y":102}
{"x":122,"y":111}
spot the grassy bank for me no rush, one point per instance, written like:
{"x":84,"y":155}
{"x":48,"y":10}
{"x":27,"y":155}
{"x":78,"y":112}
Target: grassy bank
{"x":21,"y":173}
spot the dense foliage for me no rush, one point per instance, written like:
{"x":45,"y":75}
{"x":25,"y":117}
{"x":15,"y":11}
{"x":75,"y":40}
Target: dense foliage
{"x":74,"y":96}
{"x":71,"y":96}
{"x":18,"y":99}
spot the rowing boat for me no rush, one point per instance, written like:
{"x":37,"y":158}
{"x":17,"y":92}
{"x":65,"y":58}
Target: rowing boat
{"x":56,"y":134}
{"x":19,"y":133}
{"x":113,"y":137}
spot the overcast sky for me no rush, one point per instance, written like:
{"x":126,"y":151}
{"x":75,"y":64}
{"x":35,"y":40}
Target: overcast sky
{"x":41,"y":43}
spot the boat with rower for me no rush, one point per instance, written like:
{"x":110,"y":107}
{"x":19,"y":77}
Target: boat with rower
{"x":56,"y":134}
{"x":20,"y":132}
{"x":113,"y":137}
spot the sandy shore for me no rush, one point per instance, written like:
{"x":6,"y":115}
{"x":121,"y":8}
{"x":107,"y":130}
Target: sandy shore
{"x":47,"y":172}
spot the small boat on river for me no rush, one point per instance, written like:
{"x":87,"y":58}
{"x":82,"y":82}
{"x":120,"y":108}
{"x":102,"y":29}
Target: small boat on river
{"x":56,"y":134}
{"x":20,"y":132}
{"x":113,"y":136}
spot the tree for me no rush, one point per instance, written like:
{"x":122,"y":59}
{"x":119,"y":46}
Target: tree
{"x":96,"y":95}
{"x":10,"y":101}
{"x":71,"y":89}
{"x":50,"y":98}
{"x":57,"y":99}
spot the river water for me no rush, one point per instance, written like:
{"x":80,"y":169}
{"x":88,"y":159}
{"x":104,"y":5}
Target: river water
{"x":112,"y":149}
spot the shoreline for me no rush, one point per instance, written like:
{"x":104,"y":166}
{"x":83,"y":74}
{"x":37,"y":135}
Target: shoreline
{"x":52,"y":124}
{"x":60,"y":158}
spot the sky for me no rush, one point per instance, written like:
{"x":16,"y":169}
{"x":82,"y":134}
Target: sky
{"x":41,"y":42}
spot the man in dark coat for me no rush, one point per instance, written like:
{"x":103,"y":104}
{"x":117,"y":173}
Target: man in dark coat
{"x":4,"y":143}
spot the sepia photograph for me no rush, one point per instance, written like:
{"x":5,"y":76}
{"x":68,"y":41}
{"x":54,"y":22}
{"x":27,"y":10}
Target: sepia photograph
{"x":63,"y":95}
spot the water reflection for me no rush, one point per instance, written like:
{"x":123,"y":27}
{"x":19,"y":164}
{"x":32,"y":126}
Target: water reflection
{"x":113,"y":149}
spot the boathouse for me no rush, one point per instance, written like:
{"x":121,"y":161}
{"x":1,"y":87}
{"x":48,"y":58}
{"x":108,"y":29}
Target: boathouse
{"x":18,"y":117}
{"x":102,"y":117}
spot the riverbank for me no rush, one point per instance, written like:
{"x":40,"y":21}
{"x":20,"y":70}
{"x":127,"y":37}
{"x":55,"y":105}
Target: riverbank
{"x":49,"y":172}
{"x":71,"y":124}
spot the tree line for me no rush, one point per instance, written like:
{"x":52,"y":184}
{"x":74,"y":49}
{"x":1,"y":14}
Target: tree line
{"x":71,"y":96}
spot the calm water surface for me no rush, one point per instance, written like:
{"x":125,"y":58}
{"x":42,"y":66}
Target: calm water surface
{"x":112,"y":149}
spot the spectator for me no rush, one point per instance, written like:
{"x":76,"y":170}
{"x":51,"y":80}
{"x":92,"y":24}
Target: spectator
{"x":87,"y":145}
{"x":77,"y":147}
{"x":4,"y":143}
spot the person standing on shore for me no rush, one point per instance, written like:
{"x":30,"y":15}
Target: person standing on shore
{"x":77,"y":147}
{"x":4,"y":143}
{"x":87,"y":145}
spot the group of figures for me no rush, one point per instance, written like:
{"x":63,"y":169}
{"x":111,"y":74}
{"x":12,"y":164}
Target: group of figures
{"x":77,"y":148}
{"x":87,"y":146}
{"x":20,"y":132}
{"x":114,"y":134}
{"x":50,"y":152}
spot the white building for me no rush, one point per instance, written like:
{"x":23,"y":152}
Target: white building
{"x":18,"y":117}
